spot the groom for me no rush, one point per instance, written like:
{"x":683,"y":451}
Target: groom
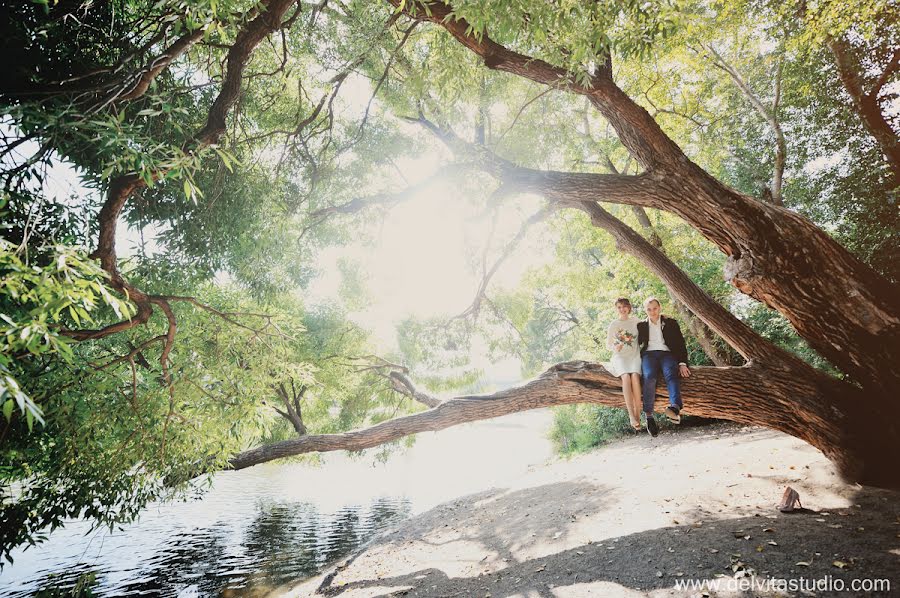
{"x":662,"y":349}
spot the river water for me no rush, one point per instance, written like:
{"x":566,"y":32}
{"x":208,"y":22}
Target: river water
{"x":273,"y":525}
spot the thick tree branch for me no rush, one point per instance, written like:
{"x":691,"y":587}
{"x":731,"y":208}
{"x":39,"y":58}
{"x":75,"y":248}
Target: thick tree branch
{"x":567,"y":188}
{"x":747,"y":394}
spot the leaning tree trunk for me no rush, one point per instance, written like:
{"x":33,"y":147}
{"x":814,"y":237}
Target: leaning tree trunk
{"x":839,"y":305}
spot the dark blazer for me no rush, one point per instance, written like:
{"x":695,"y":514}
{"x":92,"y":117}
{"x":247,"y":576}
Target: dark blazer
{"x":671,"y":336}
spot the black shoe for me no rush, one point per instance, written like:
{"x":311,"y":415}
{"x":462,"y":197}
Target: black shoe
{"x":652,"y":426}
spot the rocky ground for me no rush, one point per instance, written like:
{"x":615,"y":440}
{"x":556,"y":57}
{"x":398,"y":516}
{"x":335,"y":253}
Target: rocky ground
{"x":638,"y":517}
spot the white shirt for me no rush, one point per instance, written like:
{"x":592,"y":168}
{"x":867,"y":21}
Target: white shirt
{"x":655,"y":341}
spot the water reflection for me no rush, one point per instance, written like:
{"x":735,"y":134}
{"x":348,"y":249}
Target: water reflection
{"x":281,"y":543}
{"x":276,"y":524}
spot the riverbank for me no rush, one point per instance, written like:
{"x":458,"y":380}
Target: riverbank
{"x":636,"y":518}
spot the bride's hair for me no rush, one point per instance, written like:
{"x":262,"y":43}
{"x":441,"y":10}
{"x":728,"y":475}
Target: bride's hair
{"x":623,"y":301}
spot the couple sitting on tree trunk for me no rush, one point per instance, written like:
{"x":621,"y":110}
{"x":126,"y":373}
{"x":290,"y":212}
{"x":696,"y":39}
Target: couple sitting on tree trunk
{"x":647,"y":348}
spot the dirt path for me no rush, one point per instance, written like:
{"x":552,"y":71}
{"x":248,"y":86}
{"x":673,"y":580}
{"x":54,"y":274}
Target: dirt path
{"x":637,"y":517}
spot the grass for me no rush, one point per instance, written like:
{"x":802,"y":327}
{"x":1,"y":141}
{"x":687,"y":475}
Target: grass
{"x":580,"y":428}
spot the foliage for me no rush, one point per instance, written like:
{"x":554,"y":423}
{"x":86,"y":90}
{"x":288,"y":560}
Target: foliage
{"x":34,"y":301}
{"x":580,"y":428}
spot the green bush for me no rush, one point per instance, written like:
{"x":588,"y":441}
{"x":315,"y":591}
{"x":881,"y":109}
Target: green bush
{"x":579,"y":428}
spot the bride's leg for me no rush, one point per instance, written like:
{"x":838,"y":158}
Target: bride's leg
{"x":630,"y":400}
{"x":636,"y":393}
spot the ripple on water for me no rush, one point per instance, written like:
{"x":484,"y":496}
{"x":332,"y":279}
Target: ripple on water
{"x":182,"y":550}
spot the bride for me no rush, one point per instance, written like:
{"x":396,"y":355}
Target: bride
{"x":621,"y":339}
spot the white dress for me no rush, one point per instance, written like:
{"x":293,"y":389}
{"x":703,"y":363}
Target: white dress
{"x":628,"y":360}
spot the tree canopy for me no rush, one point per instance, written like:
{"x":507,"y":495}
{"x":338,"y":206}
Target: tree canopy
{"x":156,"y":323}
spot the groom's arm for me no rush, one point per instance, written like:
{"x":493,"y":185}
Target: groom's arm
{"x":680,"y":350}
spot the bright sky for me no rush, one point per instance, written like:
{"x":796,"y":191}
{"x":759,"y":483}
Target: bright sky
{"x":425,"y":260}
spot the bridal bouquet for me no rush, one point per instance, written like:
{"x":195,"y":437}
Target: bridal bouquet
{"x":625,"y":338}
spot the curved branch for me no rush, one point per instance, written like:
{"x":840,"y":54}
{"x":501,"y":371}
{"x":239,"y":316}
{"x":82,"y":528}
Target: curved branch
{"x":241,"y":50}
{"x":122,"y":187}
{"x":866,"y":105}
{"x":141,"y":84}
{"x":475,"y":306}
{"x":636,"y":128}
{"x":889,"y":70}
{"x":402,"y":384}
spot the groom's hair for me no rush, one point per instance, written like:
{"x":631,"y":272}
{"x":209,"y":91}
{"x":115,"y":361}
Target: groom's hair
{"x":623,"y":301}
{"x":650,"y":300}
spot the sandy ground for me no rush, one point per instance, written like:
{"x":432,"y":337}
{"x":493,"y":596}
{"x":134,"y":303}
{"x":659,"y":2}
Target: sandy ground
{"x":638,"y":517}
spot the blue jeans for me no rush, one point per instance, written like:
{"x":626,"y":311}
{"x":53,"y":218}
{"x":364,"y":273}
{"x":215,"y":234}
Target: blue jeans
{"x":651,"y":364}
